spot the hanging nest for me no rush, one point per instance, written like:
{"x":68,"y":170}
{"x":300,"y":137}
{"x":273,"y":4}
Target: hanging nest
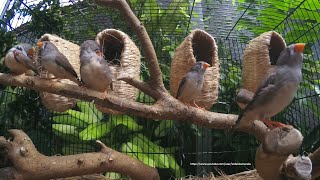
{"x":56,"y":102}
{"x":198,"y":46}
{"x":123,"y":56}
{"x":259,"y":56}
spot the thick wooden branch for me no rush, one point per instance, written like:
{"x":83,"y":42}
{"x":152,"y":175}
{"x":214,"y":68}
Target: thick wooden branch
{"x":275,"y":149}
{"x":146,"y":44}
{"x":166,"y":108}
{"x":315,"y":159}
{"x":28,"y":163}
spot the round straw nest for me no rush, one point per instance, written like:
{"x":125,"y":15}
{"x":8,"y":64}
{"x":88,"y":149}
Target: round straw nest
{"x":198,"y":46}
{"x":124,"y":58}
{"x":259,"y":56}
{"x":56,"y":102}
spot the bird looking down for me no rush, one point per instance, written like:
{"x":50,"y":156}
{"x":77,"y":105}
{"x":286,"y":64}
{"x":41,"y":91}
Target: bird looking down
{"x":94,"y":69}
{"x":19,"y":59}
{"x":277,"y":90}
{"x":56,"y":63}
{"x":191,"y":85}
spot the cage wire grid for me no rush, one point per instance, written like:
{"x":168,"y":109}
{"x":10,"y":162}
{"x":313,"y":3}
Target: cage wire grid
{"x":175,"y":146}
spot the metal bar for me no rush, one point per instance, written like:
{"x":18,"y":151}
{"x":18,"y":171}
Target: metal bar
{"x":289,"y":15}
{"x":5,"y":8}
{"x":239,"y":19}
{"x":190,"y":16}
{"x":92,"y":27}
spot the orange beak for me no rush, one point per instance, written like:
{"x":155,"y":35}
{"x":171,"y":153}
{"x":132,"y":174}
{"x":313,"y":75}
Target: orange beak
{"x":206,"y":65}
{"x":31,"y":52}
{"x":299,"y":47}
{"x":40,"y":44}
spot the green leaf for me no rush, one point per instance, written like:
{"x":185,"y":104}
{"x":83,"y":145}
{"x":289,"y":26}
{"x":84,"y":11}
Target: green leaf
{"x":163,"y":128}
{"x":126,"y":121}
{"x":113,"y":175}
{"x":69,"y":120}
{"x":95,"y":131}
{"x":90,"y":109}
{"x":64,"y":129}
{"x":83,"y":116}
{"x":136,"y":152}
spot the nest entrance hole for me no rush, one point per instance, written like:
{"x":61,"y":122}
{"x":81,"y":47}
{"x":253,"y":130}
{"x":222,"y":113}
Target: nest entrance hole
{"x":277,"y":45}
{"x":112,"y":48}
{"x":203,"y":47}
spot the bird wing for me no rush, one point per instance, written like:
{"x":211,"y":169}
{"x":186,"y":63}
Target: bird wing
{"x":63,"y":62}
{"x":25,"y":60}
{"x":181,"y":86}
{"x":262,"y":96}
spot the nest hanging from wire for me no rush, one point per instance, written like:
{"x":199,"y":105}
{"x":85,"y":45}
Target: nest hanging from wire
{"x":56,"y":102}
{"x":123,"y":57}
{"x":198,"y":46}
{"x":259,"y":56}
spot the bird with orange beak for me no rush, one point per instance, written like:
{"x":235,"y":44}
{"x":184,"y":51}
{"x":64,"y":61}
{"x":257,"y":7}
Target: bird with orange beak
{"x":56,"y":63}
{"x":20,"y":59}
{"x":191,"y":84}
{"x":277,"y":90}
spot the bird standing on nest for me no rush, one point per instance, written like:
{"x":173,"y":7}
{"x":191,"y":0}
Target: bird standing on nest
{"x":56,"y":63}
{"x":277,"y":90}
{"x":191,"y":85}
{"x":95,"y":71}
{"x":19,"y":59}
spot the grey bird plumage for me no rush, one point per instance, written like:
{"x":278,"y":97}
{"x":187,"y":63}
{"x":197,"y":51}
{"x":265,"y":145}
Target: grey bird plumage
{"x":95,"y":71}
{"x":19,"y":59}
{"x":56,"y":63}
{"x":277,"y":90}
{"x":191,"y":85}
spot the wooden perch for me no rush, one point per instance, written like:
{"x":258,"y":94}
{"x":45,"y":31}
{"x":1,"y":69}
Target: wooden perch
{"x":28,"y":163}
{"x":276,"y":147}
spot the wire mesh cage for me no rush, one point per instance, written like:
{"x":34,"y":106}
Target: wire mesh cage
{"x":175,"y":149}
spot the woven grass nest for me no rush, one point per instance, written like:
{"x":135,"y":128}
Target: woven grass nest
{"x":259,"y":56}
{"x":56,"y":102}
{"x":123,"y":56}
{"x":197,"y":46}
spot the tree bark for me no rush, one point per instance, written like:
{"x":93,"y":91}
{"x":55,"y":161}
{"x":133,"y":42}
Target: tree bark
{"x":28,"y":163}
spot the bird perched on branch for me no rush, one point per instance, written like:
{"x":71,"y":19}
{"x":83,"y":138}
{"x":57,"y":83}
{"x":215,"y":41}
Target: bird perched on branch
{"x":277,"y":90}
{"x":95,"y":71}
{"x":56,"y":63}
{"x":191,"y":85}
{"x":19,"y":59}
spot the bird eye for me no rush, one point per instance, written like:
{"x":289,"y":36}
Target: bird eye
{"x":19,"y":48}
{"x":98,"y":53}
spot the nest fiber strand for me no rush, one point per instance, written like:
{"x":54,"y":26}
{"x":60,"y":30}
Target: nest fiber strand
{"x":124,"y":58}
{"x":198,"y":46}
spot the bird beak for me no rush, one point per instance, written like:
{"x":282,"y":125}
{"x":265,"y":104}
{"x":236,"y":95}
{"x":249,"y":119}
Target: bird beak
{"x":40,"y":44}
{"x":31,"y":53}
{"x":299,"y":47}
{"x":206,"y":65}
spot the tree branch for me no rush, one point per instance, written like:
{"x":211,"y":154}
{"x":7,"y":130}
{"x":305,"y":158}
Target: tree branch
{"x":315,"y":159}
{"x":146,"y":44}
{"x":30,"y":164}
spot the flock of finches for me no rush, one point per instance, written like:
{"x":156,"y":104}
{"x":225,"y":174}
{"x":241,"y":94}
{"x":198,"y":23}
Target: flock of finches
{"x":275,"y":92}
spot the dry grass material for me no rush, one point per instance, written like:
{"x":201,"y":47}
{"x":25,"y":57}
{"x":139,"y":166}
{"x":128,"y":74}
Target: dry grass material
{"x":198,"y":46}
{"x":124,"y":58}
{"x":56,"y":102}
{"x":259,"y":56}
{"x":246,"y":175}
